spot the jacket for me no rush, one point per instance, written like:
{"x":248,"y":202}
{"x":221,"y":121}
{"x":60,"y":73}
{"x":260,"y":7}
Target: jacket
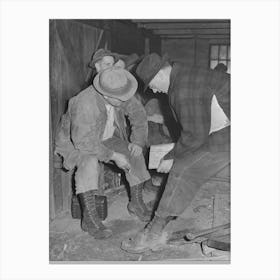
{"x":81,"y":128}
{"x":190,"y":95}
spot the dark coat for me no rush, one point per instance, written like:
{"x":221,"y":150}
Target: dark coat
{"x":82,"y":127}
{"x":190,"y":94}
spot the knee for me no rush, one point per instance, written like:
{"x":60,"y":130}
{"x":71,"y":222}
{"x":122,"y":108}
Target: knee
{"x":89,"y":162}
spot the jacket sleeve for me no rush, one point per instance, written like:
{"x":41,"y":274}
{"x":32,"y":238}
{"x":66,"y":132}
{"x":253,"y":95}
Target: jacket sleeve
{"x":192,"y":111}
{"x":84,"y":122}
{"x":191,"y":138}
{"x":138,"y":119}
{"x":194,"y":128}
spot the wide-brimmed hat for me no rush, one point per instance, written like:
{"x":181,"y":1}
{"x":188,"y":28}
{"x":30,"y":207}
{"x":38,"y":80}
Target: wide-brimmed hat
{"x":149,"y":67}
{"x":129,"y":60}
{"x":99,"y":54}
{"x":115,"y":82}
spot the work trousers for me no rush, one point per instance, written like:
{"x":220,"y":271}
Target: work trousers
{"x":88,"y":167}
{"x":187,"y":176}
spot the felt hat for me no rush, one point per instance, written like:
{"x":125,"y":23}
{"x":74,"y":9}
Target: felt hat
{"x":149,"y":67}
{"x":115,"y":82}
{"x":99,"y":54}
{"x":129,"y":60}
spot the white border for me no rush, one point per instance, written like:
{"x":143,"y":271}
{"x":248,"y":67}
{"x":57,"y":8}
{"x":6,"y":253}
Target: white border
{"x":24,"y":137}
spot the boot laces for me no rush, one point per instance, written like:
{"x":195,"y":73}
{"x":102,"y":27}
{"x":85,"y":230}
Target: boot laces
{"x":92,"y":213}
{"x":139,"y":198}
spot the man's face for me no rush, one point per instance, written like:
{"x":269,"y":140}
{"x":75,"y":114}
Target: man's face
{"x":104,"y":63}
{"x":157,"y":84}
{"x":120,"y":63}
{"x":113,"y":101}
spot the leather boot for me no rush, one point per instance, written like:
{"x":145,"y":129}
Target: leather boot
{"x":137,"y":206}
{"x":91,"y":222}
{"x":101,"y":207}
{"x":152,"y":237}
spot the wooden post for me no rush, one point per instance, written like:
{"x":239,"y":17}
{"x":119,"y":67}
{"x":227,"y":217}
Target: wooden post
{"x":147,"y":46}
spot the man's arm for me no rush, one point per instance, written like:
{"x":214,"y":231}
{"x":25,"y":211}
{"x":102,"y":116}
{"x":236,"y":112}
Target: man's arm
{"x":191,"y":113}
{"x":138,"y":120}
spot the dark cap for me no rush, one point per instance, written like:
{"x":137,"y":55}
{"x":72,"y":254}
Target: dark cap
{"x":149,"y":67}
{"x":221,"y":67}
{"x":99,"y":54}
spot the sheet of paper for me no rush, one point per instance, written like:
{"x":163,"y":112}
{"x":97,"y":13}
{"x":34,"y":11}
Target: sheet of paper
{"x":157,"y":152}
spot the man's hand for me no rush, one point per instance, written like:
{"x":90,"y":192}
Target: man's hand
{"x":135,"y":150}
{"x":165,"y":165}
{"x":156,"y":118}
{"x":121,"y":161}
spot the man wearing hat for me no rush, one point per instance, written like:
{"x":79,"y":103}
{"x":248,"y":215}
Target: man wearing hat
{"x":93,"y":130}
{"x":100,"y":60}
{"x":128,"y":62}
{"x":200,"y":101}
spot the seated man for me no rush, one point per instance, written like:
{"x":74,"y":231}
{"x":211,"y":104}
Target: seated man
{"x":93,"y":130}
{"x":200,"y":100}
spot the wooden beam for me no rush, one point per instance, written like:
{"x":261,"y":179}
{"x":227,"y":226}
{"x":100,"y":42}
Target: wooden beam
{"x":191,"y":31}
{"x":180,"y":20}
{"x":184,"y":25}
{"x":177,"y":36}
{"x":209,"y":36}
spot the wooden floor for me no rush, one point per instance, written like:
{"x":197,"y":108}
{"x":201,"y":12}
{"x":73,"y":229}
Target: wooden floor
{"x":211,"y":207}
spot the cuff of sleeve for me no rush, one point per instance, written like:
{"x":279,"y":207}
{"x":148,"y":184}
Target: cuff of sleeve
{"x":107,"y":156}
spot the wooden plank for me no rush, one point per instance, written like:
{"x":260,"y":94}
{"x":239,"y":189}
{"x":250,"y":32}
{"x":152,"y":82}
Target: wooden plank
{"x":66,"y":190}
{"x":55,"y":60}
{"x":181,"y":20}
{"x":185,"y":25}
{"x":192,"y":31}
{"x":225,"y":37}
{"x":221,"y":41}
{"x":177,"y":36}
{"x":51,"y":167}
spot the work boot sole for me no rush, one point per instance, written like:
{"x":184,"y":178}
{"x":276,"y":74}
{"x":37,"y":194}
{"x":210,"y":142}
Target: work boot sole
{"x":99,"y":234}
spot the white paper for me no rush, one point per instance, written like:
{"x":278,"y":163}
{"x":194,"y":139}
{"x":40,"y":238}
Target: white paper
{"x":157,"y":152}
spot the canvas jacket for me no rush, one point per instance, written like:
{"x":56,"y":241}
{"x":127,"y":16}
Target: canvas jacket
{"x":190,"y":94}
{"x":81,"y":128}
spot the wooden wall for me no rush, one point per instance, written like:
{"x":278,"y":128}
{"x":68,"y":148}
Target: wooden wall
{"x":191,"y":51}
{"x":71,"y":46}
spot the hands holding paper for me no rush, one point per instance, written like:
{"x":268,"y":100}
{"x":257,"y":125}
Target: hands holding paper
{"x":165,"y":165}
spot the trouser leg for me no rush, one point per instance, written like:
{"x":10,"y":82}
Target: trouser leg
{"x":87,"y":174}
{"x":138,"y":172}
{"x":136,"y":176}
{"x":185,"y":179}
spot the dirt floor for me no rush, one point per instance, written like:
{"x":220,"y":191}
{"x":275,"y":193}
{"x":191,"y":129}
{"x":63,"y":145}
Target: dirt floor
{"x":211,"y":207}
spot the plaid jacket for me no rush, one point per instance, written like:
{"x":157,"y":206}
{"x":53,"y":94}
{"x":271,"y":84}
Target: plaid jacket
{"x":190,"y":94}
{"x":81,"y":128}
